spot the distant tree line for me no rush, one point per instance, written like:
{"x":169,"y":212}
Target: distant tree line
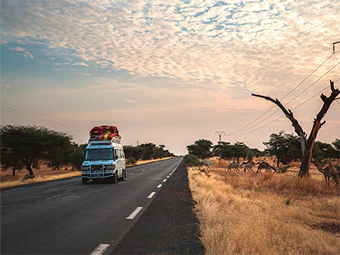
{"x":145,"y":151}
{"x":29,"y":146}
{"x":204,"y":148}
{"x":285,"y":147}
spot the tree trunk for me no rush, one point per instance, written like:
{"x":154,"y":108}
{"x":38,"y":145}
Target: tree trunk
{"x":305,"y":163}
{"x":307,"y":145}
{"x":13,"y":172}
{"x":29,"y":169}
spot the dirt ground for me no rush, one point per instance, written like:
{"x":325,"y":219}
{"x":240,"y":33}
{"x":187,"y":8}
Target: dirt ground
{"x":7,"y":175}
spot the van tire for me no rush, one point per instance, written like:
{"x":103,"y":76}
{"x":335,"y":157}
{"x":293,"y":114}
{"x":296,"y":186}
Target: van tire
{"x":115,"y":178}
{"x":123,"y":175}
{"x":84,"y":180}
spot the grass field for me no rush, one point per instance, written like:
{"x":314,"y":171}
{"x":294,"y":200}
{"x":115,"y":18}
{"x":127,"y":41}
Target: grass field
{"x":265,"y":213}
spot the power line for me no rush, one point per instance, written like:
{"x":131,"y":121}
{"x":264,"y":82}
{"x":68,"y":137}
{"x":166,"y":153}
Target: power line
{"x":244,"y":128}
{"x":314,"y":82}
{"x":29,"y":113}
{"x":242,"y":133}
{"x":283,"y":116}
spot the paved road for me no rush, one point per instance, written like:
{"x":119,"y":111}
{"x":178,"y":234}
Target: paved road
{"x":169,"y":226}
{"x":67,"y":217}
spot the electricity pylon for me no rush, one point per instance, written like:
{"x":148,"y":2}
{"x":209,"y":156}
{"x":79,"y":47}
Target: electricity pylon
{"x":220,"y":133}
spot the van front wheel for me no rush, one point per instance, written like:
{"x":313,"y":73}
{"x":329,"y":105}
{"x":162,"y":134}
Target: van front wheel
{"x":114,"y":178}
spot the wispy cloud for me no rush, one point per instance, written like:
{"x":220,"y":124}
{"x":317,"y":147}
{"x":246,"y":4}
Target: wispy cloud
{"x":196,"y":59}
{"x":28,"y":54}
{"x":23,"y":50}
{"x":80,"y":64}
{"x":225,"y":43}
{"x":18,"y":49}
{"x":130,"y":101}
{"x":6,"y":86}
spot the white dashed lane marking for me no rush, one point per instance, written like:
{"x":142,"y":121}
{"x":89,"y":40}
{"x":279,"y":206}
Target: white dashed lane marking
{"x":160,"y":185}
{"x":101,"y":248}
{"x":151,"y":194}
{"x":134,"y":213}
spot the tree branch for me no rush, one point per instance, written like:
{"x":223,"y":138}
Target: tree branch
{"x":289,"y":114}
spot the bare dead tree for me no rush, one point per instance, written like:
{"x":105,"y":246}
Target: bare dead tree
{"x":307,"y":144}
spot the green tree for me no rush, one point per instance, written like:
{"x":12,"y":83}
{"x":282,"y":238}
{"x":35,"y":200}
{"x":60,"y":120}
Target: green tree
{"x":76,"y":156}
{"x":227,"y":151}
{"x":201,"y":148}
{"x":323,"y":151}
{"x":149,"y":151}
{"x":286,"y":147}
{"x":217,"y":150}
{"x":146,"y":151}
{"x":239,"y":149}
{"x":336,"y":145}
{"x":28,"y":144}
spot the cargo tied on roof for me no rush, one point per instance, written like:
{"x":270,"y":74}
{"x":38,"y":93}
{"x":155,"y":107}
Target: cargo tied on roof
{"x":104,"y":132}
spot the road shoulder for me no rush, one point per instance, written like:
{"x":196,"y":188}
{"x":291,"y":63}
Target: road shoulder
{"x":169,"y":226}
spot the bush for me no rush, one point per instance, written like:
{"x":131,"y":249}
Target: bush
{"x":132,"y":160}
{"x":192,"y":160}
{"x":28,"y":176}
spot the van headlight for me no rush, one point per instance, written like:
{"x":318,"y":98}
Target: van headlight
{"x":110,"y":168}
{"x":85,"y":168}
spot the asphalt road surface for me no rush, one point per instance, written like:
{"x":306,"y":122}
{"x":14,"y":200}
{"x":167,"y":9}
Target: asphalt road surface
{"x":169,"y":226}
{"x":67,"y":217}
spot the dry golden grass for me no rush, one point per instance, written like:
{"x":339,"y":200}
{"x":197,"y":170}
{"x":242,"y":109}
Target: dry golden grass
{"x":42,"y":175}
{"x":140,"y":162}
{"x":265,"y":213}
{"x":45,"y":174}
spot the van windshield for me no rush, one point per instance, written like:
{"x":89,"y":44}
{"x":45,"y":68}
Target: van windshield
{"x":99,"y":154}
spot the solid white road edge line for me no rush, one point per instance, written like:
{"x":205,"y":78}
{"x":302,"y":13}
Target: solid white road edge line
{"x":134,"y":213}
{"x":101,"y":248}
{"x":53,"y":197}
{"x":13,"y":189}
{"x":151,"y":194}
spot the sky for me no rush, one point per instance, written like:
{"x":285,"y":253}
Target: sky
{"x":170,"y":72}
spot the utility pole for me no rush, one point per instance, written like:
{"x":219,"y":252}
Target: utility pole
{"x":137,"y":142}
{"x":220,"y":133}
{"x":334,"y":46}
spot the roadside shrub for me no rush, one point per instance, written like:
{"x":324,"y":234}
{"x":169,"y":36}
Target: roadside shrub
{"x":28,"y":176}
{"x":132,"y":160}
{"x":191,"y":160}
